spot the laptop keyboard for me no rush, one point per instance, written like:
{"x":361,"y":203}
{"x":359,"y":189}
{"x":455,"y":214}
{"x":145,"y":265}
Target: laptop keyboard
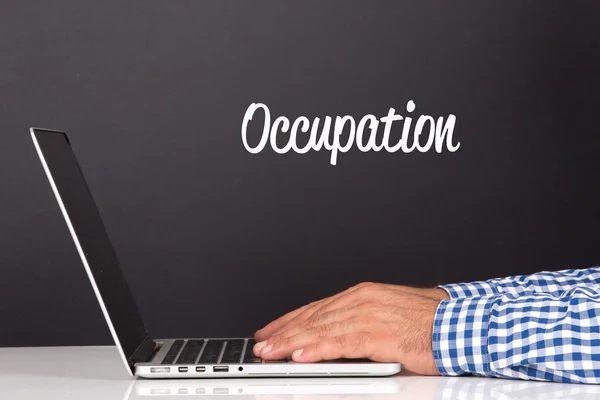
{"x":213,"y":351}
{"x":173,"y":352}
{"x":191,"y":351}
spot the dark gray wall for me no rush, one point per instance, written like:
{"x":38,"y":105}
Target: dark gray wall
{"x":153,"y":93}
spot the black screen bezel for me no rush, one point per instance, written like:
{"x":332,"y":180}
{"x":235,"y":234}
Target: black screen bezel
{"x":89,"y":234}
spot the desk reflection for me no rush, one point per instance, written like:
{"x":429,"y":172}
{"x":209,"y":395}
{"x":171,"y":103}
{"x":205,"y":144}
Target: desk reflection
{"x":265,"y":388}
{"x":391,"y":388}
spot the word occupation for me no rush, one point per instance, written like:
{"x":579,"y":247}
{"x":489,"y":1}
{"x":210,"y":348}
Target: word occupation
{"x":339,"y":135}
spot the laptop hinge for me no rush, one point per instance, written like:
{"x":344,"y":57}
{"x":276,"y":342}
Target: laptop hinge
{"x":144,"y":353}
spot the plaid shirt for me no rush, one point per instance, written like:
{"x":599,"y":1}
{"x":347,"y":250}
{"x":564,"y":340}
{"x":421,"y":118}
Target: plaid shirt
{"x":544,"y":326}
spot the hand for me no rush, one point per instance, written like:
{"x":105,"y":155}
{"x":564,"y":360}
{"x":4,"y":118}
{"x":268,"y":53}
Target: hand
{"x":386,"y":323}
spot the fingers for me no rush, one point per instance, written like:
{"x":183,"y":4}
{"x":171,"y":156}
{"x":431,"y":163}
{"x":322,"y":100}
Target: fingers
{"x":284,"y":348}
{"x":297,"y":317}
{"x":355,"y":345}
{"x":279,"y":326}
{"x":267,"y":331}
{"x":329,"y":317}
{"x":322,"y":306}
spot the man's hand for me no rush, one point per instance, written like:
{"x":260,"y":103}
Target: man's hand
{"x":385,"y":323}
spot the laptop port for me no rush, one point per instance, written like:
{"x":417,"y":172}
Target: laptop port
{"x":200,"y":369}
{"x":160,"y":370}
{"x":183,"y":369}
{"x":221,"y":368}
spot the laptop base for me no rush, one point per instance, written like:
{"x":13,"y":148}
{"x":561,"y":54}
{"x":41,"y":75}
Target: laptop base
{"x":210,"y":358}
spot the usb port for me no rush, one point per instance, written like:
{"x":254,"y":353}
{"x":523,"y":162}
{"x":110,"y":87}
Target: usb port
{"x":183,"y":369}
{"x":221,"y":368}
{"x":200,"y":369}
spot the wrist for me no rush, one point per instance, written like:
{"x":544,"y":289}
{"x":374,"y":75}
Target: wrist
{"x":438,"y":294}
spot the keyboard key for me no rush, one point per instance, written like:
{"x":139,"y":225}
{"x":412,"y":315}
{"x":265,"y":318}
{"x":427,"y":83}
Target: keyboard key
{"x":211,"y":352}
{"x":233,"y":352}
{"x":249,"y":357}
{"x":190,"y":352}
{"x":172,"y":353}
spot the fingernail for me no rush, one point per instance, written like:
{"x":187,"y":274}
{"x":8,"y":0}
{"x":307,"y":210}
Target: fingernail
{"x":297,"y":353}
{"x":266,"y":349}
{"x":258,"y":346}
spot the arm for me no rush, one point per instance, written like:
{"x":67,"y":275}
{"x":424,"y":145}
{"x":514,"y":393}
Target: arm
{"x":537,"y":336}
{"x":554,"y":283}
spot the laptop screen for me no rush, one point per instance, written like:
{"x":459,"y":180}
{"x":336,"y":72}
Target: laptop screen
{"x":91,"y":240}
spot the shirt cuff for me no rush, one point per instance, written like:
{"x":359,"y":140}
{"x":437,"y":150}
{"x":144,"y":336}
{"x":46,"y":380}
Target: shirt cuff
{"x":460,"y":336}
{"x":460,"y":290}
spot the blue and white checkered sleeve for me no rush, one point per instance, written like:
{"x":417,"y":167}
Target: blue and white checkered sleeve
{"x":537,"y":336}
{"x":460,"y":336}
{"x":555,"y":283}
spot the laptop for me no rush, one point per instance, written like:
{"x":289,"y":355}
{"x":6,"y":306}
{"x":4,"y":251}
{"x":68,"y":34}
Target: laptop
{"x":143,"y":355}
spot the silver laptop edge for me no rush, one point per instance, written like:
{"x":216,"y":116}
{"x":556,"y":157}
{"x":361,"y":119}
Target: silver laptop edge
{"x":150,"y":366}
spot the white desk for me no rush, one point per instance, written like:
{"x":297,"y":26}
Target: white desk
{"x":93,"y":373}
